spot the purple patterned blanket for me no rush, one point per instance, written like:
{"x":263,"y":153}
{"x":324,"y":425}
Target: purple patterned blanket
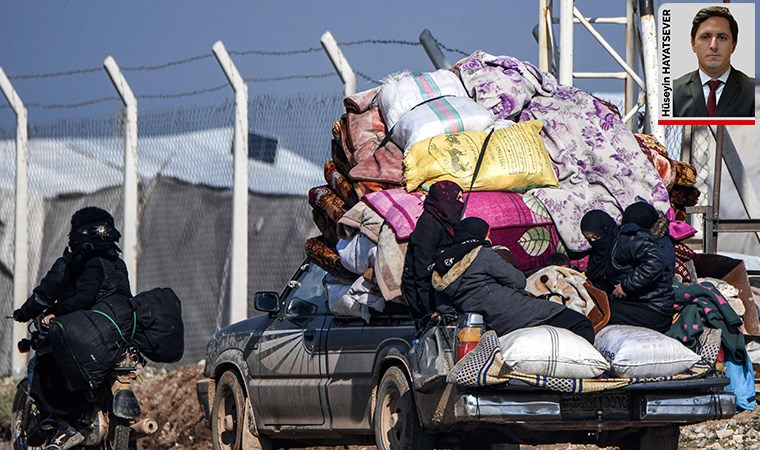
{"x":597,"y":159}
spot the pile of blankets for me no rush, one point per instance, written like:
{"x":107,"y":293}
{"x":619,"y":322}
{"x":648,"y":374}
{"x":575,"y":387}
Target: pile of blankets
{"x":375,"y":186}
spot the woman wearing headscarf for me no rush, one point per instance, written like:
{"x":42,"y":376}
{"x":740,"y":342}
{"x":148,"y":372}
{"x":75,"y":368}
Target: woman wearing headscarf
{"x":89,"y":271}
{"x":442,"y":209}
{"x":642,"y":293}
{"x":600,"y":231}
{"x":472,"y":277}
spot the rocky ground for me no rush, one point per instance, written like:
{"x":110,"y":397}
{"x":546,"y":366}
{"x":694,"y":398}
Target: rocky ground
{"x":170,"y":398}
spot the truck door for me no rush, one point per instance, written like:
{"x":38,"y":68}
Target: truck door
{"x":289,"y":380}
{"x":352,"y":352}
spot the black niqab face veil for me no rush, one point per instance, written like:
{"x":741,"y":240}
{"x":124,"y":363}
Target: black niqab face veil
{"x":604,"y":227}
{"x":444,"y":204}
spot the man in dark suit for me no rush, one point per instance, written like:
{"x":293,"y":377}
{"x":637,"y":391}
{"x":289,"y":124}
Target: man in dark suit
{"x":716,"y":89}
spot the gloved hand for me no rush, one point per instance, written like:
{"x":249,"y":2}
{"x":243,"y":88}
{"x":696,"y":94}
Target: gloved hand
{"x":19,"y":316}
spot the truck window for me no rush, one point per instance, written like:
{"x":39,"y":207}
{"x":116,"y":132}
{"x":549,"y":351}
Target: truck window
{"x":308,"y":296}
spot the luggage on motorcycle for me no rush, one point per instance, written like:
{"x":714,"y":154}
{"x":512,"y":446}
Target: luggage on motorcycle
{"x":87,"y":344}
{"x":160,"y":333}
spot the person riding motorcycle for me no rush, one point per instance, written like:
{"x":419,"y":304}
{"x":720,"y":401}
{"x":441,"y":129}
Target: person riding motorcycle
{"x":89,"y":271}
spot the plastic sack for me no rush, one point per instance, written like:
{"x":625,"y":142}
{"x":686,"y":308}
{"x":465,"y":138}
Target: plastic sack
{"x":641,"y":352}
{"x":400,"y":94}
{"x":432,"y":359}
{"x":742,"y":383}
{"x":551,"y":352}
{"x":442,"y":116}
{"x":515,"y":160}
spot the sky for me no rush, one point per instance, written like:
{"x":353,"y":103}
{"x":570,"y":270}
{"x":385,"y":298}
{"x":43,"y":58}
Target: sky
{"x":41,"y":37}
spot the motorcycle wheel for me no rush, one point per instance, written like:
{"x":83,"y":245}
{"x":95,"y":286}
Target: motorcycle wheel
{"x":120,"y":438}
{"x":23,"y":412}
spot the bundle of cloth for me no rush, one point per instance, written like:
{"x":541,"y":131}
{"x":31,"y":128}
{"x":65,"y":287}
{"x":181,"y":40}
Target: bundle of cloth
{"x":679,"y":177}
{"x":531,"y":155}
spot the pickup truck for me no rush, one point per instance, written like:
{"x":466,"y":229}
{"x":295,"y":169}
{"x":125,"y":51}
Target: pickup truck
{"x":299,"y":376}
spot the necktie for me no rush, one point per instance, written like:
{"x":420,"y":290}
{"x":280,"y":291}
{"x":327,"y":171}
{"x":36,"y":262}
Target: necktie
{"x":713,"y":85}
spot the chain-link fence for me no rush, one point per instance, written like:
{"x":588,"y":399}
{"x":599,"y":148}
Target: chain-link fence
{"x":185,"y":209}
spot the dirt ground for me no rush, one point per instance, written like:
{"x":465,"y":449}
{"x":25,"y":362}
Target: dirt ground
{"x":170,"y":399}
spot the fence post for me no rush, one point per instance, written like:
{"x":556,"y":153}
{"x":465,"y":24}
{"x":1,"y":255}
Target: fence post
{"x":543,"y":51}
{"x":631,"y":59}
{"x":130,"y":168}
{"x":21,"y":221}
{"x":651,"y":75}
{"x":433,"y":50}
{"x":340,"y":63}
{"x":566,"y":42}
{"x":239,"y":254}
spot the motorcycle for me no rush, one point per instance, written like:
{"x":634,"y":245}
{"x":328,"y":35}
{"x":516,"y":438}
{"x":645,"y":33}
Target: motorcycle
{"x":113,"y":423}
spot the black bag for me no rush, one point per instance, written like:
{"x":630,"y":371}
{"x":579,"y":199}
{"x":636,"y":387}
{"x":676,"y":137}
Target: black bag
{"x":431,"y":359}
{"x":160,"y":334}
{"x":87,"y":344}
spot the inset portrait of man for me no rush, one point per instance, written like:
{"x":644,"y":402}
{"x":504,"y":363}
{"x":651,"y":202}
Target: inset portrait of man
{"x":716,"y":88}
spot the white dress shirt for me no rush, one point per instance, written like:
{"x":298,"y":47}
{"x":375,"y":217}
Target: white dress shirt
{"x":704,"y":78}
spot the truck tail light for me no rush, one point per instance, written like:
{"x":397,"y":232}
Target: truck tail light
{"x":467,"y":339}
{"x":470,"y":329}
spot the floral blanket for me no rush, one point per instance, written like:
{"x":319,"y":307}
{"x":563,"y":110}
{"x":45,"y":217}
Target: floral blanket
{"x":597,"y":158}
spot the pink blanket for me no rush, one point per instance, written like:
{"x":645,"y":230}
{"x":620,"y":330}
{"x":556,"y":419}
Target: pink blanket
{"x":517,"y":221}
{"x":399,"y":208}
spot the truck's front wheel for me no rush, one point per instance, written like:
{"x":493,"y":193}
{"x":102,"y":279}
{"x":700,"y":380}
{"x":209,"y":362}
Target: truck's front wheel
{"x":228,"y":414}
{"x":397,"y":426}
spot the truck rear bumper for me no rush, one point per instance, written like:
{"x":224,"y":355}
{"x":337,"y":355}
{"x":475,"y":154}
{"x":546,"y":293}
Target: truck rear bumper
{"x":550,"y":408}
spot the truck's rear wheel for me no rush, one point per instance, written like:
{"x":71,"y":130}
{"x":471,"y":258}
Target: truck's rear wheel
{"x":228,"y":415}
{"x":397,"y":426}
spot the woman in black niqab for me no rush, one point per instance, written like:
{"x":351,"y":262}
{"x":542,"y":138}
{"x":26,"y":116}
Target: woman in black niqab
{"x":433,"y":232}
{"x":600,"y":230}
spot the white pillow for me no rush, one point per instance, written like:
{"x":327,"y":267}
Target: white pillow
{"x":641,"y":352}
{"x":551,"y":351}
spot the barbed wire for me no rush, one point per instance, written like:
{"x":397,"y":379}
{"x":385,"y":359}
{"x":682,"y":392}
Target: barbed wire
{"x":178,"y":62}
{"x":449,"y":49}
{"x":292,"y":77}
{"x":368,"y":78}
{"x":191,"y":59}
{"x":175,"y":95}
{"x":32,"y":76}
{"x":380,"y":41}
{"x":183,"y":94}
{"x":275,"y":53}
{"x":94,"y":101}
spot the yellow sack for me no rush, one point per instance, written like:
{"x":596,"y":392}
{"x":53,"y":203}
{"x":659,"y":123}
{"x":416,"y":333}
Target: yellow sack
{"x":515,"y":160}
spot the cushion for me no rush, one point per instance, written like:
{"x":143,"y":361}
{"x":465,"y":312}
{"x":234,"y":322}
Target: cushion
{"x":551,"y":351}
{"x":516,"y":160}
{"x":641,"y":352}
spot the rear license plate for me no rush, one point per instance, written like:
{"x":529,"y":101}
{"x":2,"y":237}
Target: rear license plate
{"x":595,"y":406}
